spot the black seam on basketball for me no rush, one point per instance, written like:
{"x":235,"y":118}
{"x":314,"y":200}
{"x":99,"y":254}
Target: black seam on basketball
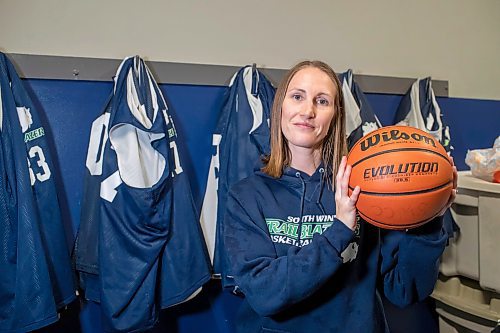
{"x":399,"y":226}
{"x":403,"y":193}
{"x":400,"y":149}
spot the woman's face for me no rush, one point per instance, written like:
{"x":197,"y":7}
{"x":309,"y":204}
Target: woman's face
{"x":308,"y":109}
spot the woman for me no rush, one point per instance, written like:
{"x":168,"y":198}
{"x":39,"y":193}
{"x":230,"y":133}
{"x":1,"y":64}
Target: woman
{"x":298,"y":253}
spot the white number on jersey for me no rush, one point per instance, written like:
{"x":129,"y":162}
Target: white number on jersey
{"x":178,"y":168}
{"x":98,"y":139}
{"x":44,"y":174}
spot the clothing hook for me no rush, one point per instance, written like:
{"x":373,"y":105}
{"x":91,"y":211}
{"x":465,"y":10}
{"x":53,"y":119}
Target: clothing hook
{"x":255,"y":79}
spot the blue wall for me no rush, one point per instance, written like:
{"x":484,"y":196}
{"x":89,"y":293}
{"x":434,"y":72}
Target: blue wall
{"x":69,"y":107}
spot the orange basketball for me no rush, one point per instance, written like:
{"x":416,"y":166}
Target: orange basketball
{"x":404,"y":175}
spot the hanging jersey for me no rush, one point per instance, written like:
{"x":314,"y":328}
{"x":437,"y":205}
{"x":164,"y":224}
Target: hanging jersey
{"x":85,"y":253}
{"x":419,"y":109}
{"x":360,"y":118}
{"x":36,"y":277}
{"x":240,"y":139}
{"x":151,"y":253}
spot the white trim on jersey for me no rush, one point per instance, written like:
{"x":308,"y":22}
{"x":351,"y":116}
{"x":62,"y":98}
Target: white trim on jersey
{"x":99,"y":128}
{"x":117,"y":74}
{"x":438,"y":113}
{"x":208,"y":216}
{"x":137,"y":109}
{"x":414,"y":116}
{"x":253,"y":101}
{"x":25,"y":118}
{"x":352,"y":115}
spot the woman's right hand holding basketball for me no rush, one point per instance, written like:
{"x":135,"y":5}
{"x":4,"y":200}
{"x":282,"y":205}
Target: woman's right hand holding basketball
{"x":453,"y":193}
{"x":345,"y":204}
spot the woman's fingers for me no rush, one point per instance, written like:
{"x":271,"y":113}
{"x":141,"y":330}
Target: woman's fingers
{"x":345,"y":181}
{"x":355,"y":194}
{"x":454,"y":190}
{"x":341,"y":170}
{"x":449,"y":203}
{"x":345,"y":204}
{"x":340,"y":176}
{"x":455,"y":172}
{"x":453,"y":194}
{"x":455,"y":177}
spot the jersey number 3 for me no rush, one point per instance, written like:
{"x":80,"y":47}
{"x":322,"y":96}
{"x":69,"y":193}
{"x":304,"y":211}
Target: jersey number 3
{"x":36,"y":156}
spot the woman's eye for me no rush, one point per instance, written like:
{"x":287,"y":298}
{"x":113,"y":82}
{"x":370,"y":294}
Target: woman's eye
{"x":322,"y":101}
{"x":297,"y":97}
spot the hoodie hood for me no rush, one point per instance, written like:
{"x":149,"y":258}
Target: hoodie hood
{"x":309,"y":189}
{"x":300,"y":183}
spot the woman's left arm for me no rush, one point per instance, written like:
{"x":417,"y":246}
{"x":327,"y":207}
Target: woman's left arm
{"x":410,"y":259}
{"x":410,"y":262}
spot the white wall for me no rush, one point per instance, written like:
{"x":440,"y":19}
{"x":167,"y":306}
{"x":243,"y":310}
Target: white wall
{"x":454,"y":40}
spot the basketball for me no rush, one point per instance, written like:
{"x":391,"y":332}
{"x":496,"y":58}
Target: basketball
{"x":404,"y":175}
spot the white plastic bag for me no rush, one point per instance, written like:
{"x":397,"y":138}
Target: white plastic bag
{"x":484,"y":162}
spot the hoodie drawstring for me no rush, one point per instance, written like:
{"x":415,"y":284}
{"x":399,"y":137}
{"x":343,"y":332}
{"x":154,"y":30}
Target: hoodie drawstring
{"x":302,"y":198}
{"x":321,"y":186}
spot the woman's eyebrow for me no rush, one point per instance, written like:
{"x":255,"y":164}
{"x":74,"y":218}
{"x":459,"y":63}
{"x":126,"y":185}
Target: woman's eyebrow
{"x":297,"y":89}
{"x":325,"y":93}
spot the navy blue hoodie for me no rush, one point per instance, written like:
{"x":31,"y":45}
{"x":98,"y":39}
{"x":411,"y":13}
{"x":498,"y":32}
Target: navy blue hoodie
{"x":302,"y":270}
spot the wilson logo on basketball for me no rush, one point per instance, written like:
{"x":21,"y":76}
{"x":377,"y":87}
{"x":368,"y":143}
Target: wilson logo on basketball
{"x":394,"y":135}
{"x":401,"y":169}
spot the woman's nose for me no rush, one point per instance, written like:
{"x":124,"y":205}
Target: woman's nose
{"x":308,"y":110}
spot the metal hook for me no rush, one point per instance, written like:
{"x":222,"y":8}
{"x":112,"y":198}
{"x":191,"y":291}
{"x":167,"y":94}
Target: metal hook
{"x":137,"y":62}
{"x":255,"y":79}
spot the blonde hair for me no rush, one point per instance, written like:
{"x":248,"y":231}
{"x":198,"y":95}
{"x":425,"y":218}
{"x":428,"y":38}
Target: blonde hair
{"x":334,"y":145}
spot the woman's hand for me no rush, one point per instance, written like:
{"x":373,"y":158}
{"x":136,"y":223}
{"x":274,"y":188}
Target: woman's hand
{"x":345,"y":205}
{"x":453,"y":194}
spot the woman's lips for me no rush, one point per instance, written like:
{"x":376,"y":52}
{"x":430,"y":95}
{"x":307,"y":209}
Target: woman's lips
{"x":304,"y":125}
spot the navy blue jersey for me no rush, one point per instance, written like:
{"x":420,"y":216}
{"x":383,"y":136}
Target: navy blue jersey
{"x":138,"y":209}
{"x":240,"y":139}
{"x":85,"y":253}
{"x":360,"y":118}
{"x":36,"y":277}
{"x":419,"y":108}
